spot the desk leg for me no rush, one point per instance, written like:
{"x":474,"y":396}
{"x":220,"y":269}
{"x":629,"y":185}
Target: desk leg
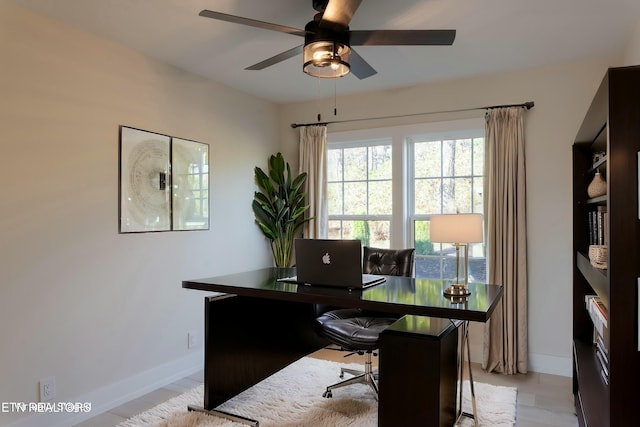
{"x":464,"y":342}
{"x":248,"y":339}
{"x":226,"y":415}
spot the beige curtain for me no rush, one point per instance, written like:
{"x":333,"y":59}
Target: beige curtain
{"x":505,"y":337}
{"x":313,"y":161}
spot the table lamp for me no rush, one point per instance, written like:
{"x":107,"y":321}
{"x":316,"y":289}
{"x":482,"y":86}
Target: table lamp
{"x":459,"y":230}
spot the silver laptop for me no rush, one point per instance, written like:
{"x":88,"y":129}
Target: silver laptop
{"x":336,"y":263}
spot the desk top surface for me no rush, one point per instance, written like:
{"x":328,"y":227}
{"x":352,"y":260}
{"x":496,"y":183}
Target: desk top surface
{"x":400,"y":295}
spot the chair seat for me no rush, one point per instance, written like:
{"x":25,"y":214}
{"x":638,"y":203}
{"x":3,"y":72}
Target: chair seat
{"x":352,"y":330}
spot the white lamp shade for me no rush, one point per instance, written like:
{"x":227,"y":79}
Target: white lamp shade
{"x":456,"y":228}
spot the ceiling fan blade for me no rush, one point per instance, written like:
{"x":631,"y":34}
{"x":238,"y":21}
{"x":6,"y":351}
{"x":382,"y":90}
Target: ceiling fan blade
{"x":338,"y":13}
{"x":251,"y":22}
{"x":359,"y":67}
{"x":278,"y":58}
{"x":402,"y":37}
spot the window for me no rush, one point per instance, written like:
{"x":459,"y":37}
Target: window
{"x":447,"y":177}
{"x":384,"y":184}
{"x":359,"y":177}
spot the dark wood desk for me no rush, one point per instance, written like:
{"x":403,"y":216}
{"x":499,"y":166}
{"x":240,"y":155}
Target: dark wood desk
{"x":257,"y":325}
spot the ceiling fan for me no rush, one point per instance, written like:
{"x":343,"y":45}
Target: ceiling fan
{"x":327,"y":44}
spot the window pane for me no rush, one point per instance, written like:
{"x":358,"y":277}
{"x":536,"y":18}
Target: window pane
{"x":435,"y":267}
{"x":334,"y":165}
{"x":380,"y":200}
{"x":370,"y":233}
{"x":380,"y":236}
{"x":478,"y":196}
{"x":355,"y":198}
{"x":478,"y":156}
{"x":335,"y":230}
{"x":427,"y":196}
{"x":334,"y":196}
{"x":462,"y":156}
{"x":427,"y":159}
{"x":448,"y":158}
{"x":355,"y":163}
{"x":456,"y":195}
{"x":380,"y":162}
{"x":422,"y":242}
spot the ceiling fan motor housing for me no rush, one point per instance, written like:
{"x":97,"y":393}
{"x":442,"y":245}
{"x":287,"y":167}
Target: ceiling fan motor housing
{"x":326,"y":52}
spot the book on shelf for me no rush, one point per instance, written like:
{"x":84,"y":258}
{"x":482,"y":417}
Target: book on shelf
{"x":602,"y":348}
{"x":598,"y":221}
{"x":603,"y":362}
{"x":598,"y":314}
{"x":604,"y":376}
{"x":596,"y":309}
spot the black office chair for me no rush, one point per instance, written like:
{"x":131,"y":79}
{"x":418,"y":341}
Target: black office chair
{"x":357,"y":331}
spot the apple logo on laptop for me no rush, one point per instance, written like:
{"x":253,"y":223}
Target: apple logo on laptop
{"x":326,"y":259}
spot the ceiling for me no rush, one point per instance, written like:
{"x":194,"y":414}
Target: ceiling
{"x":492,"y":36}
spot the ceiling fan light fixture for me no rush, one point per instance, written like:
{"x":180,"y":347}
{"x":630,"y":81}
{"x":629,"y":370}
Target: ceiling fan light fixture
{"x":327,"y":59}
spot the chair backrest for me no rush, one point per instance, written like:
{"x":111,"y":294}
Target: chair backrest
{"x":390,"y":262}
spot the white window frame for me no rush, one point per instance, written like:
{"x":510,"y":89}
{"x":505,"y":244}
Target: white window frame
{"x":401,"y":227}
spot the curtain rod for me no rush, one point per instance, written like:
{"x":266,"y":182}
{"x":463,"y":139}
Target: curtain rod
{"x":527,"y":105}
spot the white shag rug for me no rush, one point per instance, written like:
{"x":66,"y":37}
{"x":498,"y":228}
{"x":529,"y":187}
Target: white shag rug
{"x":293,"y":398}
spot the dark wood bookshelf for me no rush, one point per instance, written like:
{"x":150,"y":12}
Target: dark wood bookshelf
{"x":611,"y":125}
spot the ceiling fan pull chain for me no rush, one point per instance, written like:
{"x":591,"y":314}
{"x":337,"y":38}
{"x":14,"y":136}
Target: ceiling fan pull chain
{"x":335,"y":104}
{"x":318,"y":99}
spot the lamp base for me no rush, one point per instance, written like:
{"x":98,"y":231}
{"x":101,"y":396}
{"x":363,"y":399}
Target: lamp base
{"x":456,"y":290}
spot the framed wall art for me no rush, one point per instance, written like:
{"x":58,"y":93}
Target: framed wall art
{"x":190,"y":180}
{"x":164,"y":182}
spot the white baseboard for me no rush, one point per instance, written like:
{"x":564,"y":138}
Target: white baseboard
{"x":553,"y":365}
{"x":109,"y":397}
{"x":540,"y":363}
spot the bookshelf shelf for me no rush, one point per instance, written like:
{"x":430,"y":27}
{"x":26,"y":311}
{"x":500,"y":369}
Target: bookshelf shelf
{"x":600,"y":200}
{"x":598,"y":166}
{"x":610,"y":131}
{"x":597,"y":278}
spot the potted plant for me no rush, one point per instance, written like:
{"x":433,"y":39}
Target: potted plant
{"x":279,"y":207}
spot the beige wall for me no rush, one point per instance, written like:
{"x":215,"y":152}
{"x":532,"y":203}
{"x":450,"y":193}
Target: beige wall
{"x":632,"y":52}
{"x":103,"y":312}
{"x":562,"y":95}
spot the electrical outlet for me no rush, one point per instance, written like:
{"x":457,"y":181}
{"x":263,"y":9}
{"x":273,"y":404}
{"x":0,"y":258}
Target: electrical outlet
{"x":47,"y":389}
{"x":192,"y":340}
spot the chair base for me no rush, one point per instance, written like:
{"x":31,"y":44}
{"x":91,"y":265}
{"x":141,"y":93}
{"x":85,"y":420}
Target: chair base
{"x":367,"y":377}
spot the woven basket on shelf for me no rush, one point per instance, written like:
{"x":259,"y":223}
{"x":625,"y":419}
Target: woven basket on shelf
{"x":598,"y":256}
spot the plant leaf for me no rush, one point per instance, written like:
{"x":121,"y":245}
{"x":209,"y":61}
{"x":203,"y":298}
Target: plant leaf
{"x":279,"y":206}
{"x":276,"y":168}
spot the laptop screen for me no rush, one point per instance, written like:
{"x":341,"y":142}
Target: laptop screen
{"x":332,"y":262}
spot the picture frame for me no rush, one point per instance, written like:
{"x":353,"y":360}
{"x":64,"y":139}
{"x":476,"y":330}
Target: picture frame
{"x":145,"y":184}
{"x":163,"y":182}
{"x":190,"y":182}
